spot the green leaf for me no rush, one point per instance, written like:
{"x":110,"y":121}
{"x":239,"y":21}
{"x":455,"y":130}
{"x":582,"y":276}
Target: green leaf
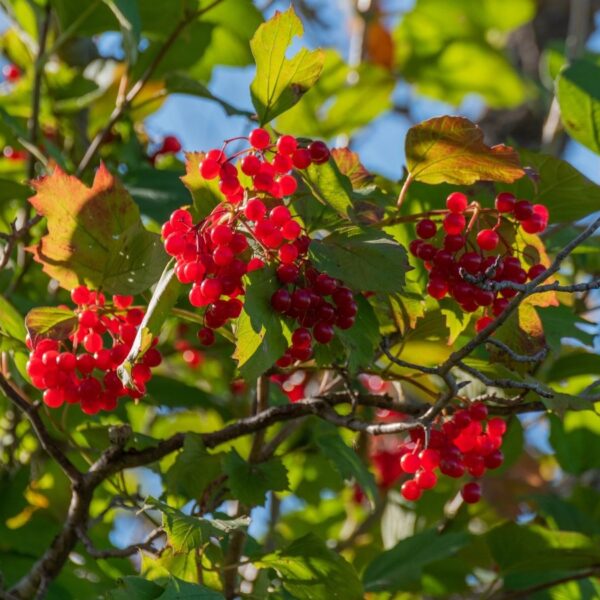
{"x":188,"y":533}
{"x":193,"y":469}
{"x":249,"y":482}
{"x":206,"y":194}
{"x":518,"y":548}
{"x":95,"y":235}
{"x":560,"y":403}
{"x":309,"y":570}
{"x":279,"y":83}
{"x":11,"y":190}
{"x":560,"y":322}
{"x":566,"y":193}
{"x":452,"y":150}
{"x":11,"y":322}
{"x":178,"y":589}
{"x":364,"y":259}
{"x":48,"y":321}
{"x":576,"y":441}
{"x":329,"y":186}
{"x":260,"y":340}
{"x":135,"y":588}
{"x":578,"y":93}
{"x":345,"y":459}
{"x":163,"y":299}
{"x":127,"y":13}
{"x":396,"y":568}
{"x":362,"y":339}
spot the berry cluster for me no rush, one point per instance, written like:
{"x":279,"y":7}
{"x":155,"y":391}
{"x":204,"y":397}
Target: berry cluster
{"x":466,"y":443}
{"x":253,"y":227}
{"x":478,"y":248}
{"x":82,"y":368}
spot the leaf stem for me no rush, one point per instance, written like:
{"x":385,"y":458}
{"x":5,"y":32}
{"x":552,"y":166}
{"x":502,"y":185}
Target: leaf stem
{"x":404,"y":190}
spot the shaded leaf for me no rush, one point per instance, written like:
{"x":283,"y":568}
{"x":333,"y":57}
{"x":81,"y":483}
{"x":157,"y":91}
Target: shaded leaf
{"x":178,"y":589}
{"x":309,"y":570}
{"x":95,"y":235}
{"x":260,"y":340}
{"x":249,"y":482}
{"x":364,"y":259}
{"x":452,"y":150}
{"x":349,"y":164}
{"x":576,"y":441}
{"x":135,"y":588}
{"x":51,"y":322}
{"x":279,"y":83}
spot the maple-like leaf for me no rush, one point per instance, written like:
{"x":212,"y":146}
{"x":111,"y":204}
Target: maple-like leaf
{"x":95,"y":235}
{"x":452,"y":150}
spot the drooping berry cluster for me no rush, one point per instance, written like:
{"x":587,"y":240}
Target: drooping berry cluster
{"x":478,"y":248}
{"x":253,"y":227}
{"x":81,"y":369}
{"x":466,"y":443}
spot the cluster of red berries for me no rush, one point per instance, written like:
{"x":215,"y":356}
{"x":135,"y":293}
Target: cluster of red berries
{"x":467,"y":443}
{"x":482,"y":252}
{"x":253,"y":227}
{"x":82,"y":369}
{"x":170,"y":145}
{"x":11,"y":73}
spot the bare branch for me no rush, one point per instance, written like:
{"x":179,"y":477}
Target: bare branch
{"x":525,"y":358}
{"x":146,"y":546}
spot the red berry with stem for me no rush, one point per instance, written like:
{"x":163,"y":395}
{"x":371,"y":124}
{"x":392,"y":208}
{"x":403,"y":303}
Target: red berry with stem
{"x":523,"y":210}
{"x":255,"y":210}
{"x":209,"y":168}
{"x":319,"y":152}
{"x":429,"y":458}
{"x":411,"y":490}
{"x":410,"y":463}
{"x":206,"y":336}
{"x":80,"y":295}
{"x":287,"y":144}
{"x":323,"y":332}
{"x":457,"y":202}
{"x":426,"y":480}
{"x":496,"y":427}
{"x":487,"y":239}
{"x":259,"y":138}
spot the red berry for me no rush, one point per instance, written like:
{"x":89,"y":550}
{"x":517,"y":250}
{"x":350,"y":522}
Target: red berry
{"x":323,"y":332}
{"x":288,"y":185}
{"x":426,"y":229}
{"x":211,"y":289}
{"x":487,"y":239}
{"x":11,"y":73}
{"x":287,"y":273}
{"x":152,"y":358}
{"x":286,"y":144}
{"x":288,"y":253}
{"x":259,"y":138}
{"x":255,"y":210}
{"x":429,"y":458}
{"x":80,"y":295}
{"x":196,"y":297}
{"x":411,"y":490}
{"x":175,"y":244}
{"x":523,"y":210}
{"x":279,"y":215}
{"x":281,"y":300}
{"x":437,"y":288}
{"x":494,"y":459}
{"x":122,"y":302}
{"x":471,"y":492}
{"x":301,"y":338}
{"x":471,"y":262}
{"x":410,"y":463}
{"x":454,"y":223}
{"x":92,"y":342}
{"x":206,"y":336}
{"x":535,"y":224}
{"x":209,"y":168}
{"x":496,"y":427}
{"x":426,"y":480}
{"x":54,"y":397}
{"x":505,"y":202}
{"x":250,"y":165}
{"x":319,"y":152}
{"x":457,"y":202}
{"x":453,"y":243}
{"x":170,"y":145}
{"x":301,"y":158}
{"x":482,"y":323}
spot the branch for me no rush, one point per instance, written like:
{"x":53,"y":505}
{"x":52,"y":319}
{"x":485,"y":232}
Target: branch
{"x":49,"y":444}
{"x":147,"y":545}
{"x":138,"y":86}
{"x":504,"y":383}
{"x":525,"y":358}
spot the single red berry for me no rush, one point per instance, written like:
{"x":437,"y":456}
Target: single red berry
{"x":429,"y":458}
{"x":454,"y":223}
{"x":11,"y":73}
{"x":457,"y":202}
{"x":426,"y":480}
{"x":494,"y":459}
{"x":206,"y":336}
{"x":487,"y":239}
{"x":288,"y":253}
{"x":88,"y":318}
{"x":301,"y":158}
{"x":411,"y":490}
{"x":280,"y":215}
{"x":471,"y":492}
{"x":80,"y":295}
{"x":478,"y":411}
{"x":170,"y":144}
{"x":505,"y":202}
{"x":255,"y":210}
{"x":535,"y":224}
{"x":323,"y":332}
{"x":209,"y":168}
{"x":523,"y":210}
{"x":410,"y":463}
{"x":426,"y":229}
{"x":288,"y":185}
{"x":175,"y":244}
{"x":287,"y":144}
{"x":250,"y":165}
{"x":482,"y":323}
{"x":54,"y":397}
{"x":281,"y":300}
{"x":259,"y":138}
{"x":152,"y":358}
{"x":453,"y":243}
{"x":287,"y":273}
{"x":415,"y":246}
{"x":471,"y":262}
{"x":319,"y":152}
{"x":496,"y":427}
{"x":437,"y":288}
